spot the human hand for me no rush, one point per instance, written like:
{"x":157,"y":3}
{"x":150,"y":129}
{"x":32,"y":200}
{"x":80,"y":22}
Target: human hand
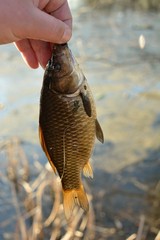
{"x":34,"y":25}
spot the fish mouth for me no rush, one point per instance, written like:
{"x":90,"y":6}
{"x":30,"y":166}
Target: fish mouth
{"x":64,"y":71}
{"x":62,"y":61}
{"x":59,"y":48}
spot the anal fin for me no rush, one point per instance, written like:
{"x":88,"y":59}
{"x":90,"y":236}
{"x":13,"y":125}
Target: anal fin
{"x":87,"y":170}
{"x":74,"y":197}
{"x":42,"y":142}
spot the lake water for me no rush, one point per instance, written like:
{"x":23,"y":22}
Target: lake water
{"x":119,"y":52}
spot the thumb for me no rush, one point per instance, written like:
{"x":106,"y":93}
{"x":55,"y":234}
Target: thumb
{"x":42,"y":26}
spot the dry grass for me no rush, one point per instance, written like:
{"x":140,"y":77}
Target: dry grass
{"x":30,"y":196}
{"x":38,"y":205}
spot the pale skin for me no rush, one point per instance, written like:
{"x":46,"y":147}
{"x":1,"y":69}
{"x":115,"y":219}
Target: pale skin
{"x":34,"y":25}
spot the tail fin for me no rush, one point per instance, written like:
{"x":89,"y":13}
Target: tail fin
{"x":74,"y":197}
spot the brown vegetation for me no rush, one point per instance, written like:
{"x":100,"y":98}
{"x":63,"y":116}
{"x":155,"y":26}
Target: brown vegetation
{"x":38,"y":205}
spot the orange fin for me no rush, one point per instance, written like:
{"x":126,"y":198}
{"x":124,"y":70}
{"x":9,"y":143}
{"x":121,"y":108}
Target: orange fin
{"x":74,"y":197}
{"x":87,"y":170}
{"x":45,"y":149}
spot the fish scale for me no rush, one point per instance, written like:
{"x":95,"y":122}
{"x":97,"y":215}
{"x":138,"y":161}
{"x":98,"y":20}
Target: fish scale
{"x":55,"y":130}
{"x":68,"y":125}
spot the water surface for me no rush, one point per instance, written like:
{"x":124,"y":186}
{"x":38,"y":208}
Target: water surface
{"x":125,"y":82}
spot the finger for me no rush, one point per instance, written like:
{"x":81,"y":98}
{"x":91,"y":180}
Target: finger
{"x":60,"y":10}
{"x":42,"y":26}
{"x":50,"y":5}
{"x":63,"y":14}
{"x":27,"y":53}
{"x":42,"y":51}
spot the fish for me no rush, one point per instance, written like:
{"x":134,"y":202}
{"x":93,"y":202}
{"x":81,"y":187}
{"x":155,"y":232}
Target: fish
{"x":68,"y":125}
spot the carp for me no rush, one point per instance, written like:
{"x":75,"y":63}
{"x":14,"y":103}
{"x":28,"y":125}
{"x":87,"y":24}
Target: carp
{"x":68,"y":125}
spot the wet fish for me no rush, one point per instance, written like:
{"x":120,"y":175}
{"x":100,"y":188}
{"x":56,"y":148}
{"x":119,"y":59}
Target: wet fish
{"x":68,"y":125}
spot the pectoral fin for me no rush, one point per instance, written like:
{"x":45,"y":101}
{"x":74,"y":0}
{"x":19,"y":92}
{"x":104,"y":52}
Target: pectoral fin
{"x":86,"y":104}
{"x":99,"y":132}
{"x":41,"y":138}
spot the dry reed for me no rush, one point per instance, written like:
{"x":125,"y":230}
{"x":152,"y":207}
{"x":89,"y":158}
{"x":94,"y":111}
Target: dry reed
{"x":28,"y":199}
{"x":38,"y":204}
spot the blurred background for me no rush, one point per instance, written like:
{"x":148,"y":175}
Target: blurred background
{"x":117,"y":44}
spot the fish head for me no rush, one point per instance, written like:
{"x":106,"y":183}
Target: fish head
{"x":66,"y":76}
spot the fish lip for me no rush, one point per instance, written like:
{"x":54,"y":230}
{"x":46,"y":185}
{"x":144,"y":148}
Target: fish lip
{"x":50,"y":65}
{"x":55,"y":53}
{"x":65,"y":45}
{"x":61,"y":53}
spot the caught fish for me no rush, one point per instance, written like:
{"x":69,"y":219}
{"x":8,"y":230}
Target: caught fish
{"x":68,"y":125}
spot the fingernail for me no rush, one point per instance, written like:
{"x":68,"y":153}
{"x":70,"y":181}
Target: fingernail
{"x":67,"y":35}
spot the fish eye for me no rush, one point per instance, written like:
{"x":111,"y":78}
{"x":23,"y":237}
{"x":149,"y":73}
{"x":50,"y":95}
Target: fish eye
{"x":57,"y":67}
{"x":85,"y":87}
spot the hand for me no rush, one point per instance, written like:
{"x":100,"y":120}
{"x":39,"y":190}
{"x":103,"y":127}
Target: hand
{"x":33,"y":25}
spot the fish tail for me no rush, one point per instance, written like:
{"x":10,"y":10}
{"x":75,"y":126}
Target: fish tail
{"x":74,"y":197}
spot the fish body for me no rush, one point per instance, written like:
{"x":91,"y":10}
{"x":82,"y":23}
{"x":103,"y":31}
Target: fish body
{"x":68,"y":125}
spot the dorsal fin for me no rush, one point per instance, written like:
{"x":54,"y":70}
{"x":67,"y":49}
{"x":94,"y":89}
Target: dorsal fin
{"x":99,"y":132}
